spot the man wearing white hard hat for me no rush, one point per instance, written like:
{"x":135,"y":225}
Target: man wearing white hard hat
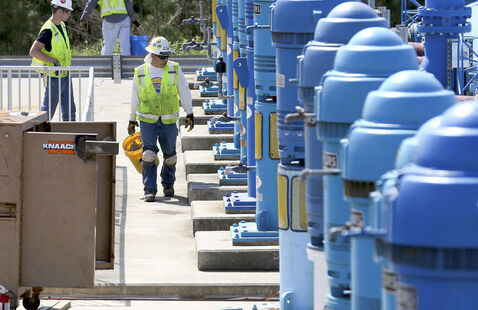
{"x":52,"y":48}
{"x":158,"y":86}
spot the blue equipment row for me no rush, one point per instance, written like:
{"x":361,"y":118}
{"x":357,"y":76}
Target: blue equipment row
{"x":352,"y":92}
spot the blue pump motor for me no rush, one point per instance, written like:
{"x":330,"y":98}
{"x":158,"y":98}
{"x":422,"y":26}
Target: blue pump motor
{"x":318,"y":56}
{"x":360,"y":66}
{"x":394,"y":112}
{"x":431,"y":227}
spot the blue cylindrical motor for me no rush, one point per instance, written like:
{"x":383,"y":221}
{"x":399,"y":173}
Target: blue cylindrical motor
{"x":442,"y":20}
{"x":251,"y":99}
{"x":360,"y":66}
{"x":264,"y":53}
{"x":292,"y":24}
{"x":432,"y":221}
{"x":230,"y":59}
{"x":266,"y":147}
{"x":394,"y":112}
{"x":385,"y":188}
{"x":267,"y":160}
{"x":331,"y":32}
{"x":318,"y":57}
{"x":296,"y":286}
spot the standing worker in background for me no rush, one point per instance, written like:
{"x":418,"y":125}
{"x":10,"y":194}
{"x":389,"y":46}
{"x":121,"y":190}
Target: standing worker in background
{"x":157,"y":86}
{"x":52,"y":48}
{"x":117,"y":16}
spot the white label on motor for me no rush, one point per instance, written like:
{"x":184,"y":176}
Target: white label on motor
{"x":280,"y":80}
{"x":329,"y":160}
{"x":229,"y":40}
{"x":259,"y":197}
{"x":389,"y":281}
{"x":258,"y":182}
{"x":256,"y":9}
{"x":243,"y":130}
{"x":249,"y":112}
{"x":249,"y":101}
{"x":407,"y":298}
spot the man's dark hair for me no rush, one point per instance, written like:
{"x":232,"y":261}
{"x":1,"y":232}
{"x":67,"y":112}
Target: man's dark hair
{"x":54,"y":8}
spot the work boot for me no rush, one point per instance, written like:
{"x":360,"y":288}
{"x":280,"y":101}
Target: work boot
{"x":168,"y":190}
{"x":149,"y":197}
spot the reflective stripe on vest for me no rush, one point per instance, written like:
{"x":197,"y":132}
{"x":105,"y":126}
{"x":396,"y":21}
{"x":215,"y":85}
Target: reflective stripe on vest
{"x":109,"y":7}
{"x":60,"y":48}
{"x":153,"y":105}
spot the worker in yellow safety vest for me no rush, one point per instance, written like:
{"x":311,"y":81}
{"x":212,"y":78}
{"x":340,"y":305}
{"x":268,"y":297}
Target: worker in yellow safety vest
{"x":158,"y":85}
{"x":52,"y":48}
{"x":117,"y":16}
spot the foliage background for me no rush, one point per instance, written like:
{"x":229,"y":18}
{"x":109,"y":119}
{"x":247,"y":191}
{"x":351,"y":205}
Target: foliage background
{"x":20,"y":21}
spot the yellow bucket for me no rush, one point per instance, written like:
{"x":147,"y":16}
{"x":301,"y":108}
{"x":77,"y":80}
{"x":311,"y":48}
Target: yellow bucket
{"x":133,"y":149}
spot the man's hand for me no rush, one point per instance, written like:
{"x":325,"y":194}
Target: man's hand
{"x":131,"y":126}
{"x":82,"y":22}
{"x":135,"y":23}
{"x":189,"y":122}
{"x":56,"y":63}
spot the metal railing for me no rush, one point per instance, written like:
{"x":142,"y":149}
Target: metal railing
{"x":27,"y":78}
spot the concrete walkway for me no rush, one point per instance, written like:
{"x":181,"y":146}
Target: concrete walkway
{"x":154,"y":243}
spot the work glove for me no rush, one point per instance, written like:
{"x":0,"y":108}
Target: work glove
{"x":135,"y":23}
{"x":131,"y":126}
{"x":189,"y":122}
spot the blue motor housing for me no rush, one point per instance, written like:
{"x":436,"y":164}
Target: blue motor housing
{"x":318,"y":57}
{"x":430,"y":238}
{"x":391,"y":114}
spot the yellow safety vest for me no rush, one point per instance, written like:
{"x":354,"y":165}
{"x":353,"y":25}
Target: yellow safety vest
{"x":152,"y":105}
{"x":109,"y":7}
{"x":60,"y":48}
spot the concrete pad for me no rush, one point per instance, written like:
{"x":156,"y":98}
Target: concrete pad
{"x":171,"y":303}
{"x":206,"y":187}
{"x":210,"y":216}
{"x":203,"y":162}
{"x":216,"y":252}
{"x":200,"y":139}
{"x":155,"y":252}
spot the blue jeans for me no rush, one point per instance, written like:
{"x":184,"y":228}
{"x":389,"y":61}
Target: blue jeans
{"x":64,"y":102}
{"x":166,"y":136}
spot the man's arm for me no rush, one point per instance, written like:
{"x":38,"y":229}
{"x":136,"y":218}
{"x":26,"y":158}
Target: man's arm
{"x":129,"y":8}
{"x":184,"y":92}
{"x":134,"y":100}
{"x":36,"y":51}
{"x":90,"y":5}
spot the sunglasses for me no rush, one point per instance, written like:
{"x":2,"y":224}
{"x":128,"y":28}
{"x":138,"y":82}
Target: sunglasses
{"x":163,"y":57}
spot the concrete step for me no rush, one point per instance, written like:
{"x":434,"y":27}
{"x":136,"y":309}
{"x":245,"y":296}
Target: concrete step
{"x":206,"y":187}
{"x":200,"y":139}
{"x":203,"y":162}
{"x":210,"y":216}
{"x":199,"y":117}
{"x":191,"y":290}
{"x":197,"y":100}
{"x":216,"y":252}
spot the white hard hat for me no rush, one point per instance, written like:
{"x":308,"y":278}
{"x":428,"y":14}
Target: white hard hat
{"x":159,"y":46}
{"x":63,"y":3}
